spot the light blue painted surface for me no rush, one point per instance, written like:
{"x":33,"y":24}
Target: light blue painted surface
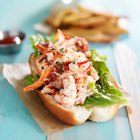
{"x":16,"y":122}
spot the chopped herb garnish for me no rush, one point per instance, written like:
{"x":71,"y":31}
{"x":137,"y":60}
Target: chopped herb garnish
{"x":62,"y":50}
{"x":60,"y":64}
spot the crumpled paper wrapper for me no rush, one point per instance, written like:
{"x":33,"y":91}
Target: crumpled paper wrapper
{"x":50,"y":125}
{"x":15,"y":74}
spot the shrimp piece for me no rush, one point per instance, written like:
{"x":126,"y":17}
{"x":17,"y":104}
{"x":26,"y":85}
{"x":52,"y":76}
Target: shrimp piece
{"x":39,"y":82}
{"x":48,"y":89}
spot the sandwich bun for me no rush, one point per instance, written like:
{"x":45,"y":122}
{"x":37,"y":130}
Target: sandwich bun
{"x":73,"y":115}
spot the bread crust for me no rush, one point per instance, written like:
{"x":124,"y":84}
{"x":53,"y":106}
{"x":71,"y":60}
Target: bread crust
{"x":70,"y":116}
{"x":63,"y":113}
{"x":103,"y":114}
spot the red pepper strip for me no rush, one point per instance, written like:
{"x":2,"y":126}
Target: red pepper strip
{"x":83,"y":62}
{"x":39,"y":82}
{"x":43,"y":49}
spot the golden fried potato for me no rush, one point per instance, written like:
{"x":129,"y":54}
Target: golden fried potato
{"x":94,"y":26}
{"x":95,"y":13}
{"x":91,"y":35}
{"x":55,"y":20}
{"x":112,"y":30}
{"x":89,"y":22}
{"x":74,"y":17}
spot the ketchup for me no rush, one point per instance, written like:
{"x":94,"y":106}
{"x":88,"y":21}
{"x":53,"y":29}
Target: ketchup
{"x":11,"y":37}
{"x":11,"y":41}
{"x":8,"y":40}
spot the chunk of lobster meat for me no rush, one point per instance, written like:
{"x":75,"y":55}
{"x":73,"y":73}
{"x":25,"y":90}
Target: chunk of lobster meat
{"x":88,"y":54}
{"x":61,"y":36}
{"x":82,"y":71}
{"x":94,"y":73}
{"x":48,"y":89}
{"x":39,"y":82}
{"x":81,"y":44}
{"x":58,"y":57}
{"x":69,"y":91}
{"x":63,"y":99}
{"x":55,"y":80}
{"x":82,"y":88}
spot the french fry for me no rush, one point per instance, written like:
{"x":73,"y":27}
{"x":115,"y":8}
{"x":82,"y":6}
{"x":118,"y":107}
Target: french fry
{"x":94,"y":26}
{"x":55,"y":20}
{"x":75,"y":16}
{"x":95,"y":13}
{"x":90,"y":22}
{"x":112,"y":30}
{"x":91,"y":35}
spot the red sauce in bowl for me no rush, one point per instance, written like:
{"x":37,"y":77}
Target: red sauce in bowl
{"x":11,"y":37}
{"x":11,"y":41}
{"x":8,"y":40}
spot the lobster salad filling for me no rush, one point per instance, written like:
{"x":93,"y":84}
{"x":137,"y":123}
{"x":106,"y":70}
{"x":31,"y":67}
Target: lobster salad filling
{"x":71,"y":73}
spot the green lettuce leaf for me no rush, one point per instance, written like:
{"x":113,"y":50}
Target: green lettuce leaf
{"x":91,"y":85}
{"x":95,"y":56}
{"x":105,"y":94}
{"x":52,"y":38}
{"x":36,"y":39}
{"x":29,"y":80}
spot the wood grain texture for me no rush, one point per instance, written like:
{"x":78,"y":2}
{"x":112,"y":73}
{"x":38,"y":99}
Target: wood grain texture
{"x":126,"y":64}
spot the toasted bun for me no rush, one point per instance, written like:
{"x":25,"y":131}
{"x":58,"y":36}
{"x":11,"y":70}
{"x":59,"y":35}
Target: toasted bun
{"x":74,"y":115}
{"x":103,"y":114}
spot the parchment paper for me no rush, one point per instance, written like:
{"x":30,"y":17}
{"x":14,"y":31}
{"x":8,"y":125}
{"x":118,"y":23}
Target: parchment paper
{"x":15,"y":75}
{"x":50,"y":125}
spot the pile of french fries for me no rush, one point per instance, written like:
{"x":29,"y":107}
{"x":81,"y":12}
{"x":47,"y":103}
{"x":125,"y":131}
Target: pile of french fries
{"x":94,"y":26}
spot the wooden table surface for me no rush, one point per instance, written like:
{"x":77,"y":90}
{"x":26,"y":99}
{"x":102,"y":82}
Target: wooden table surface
{"x":16,"y":123}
